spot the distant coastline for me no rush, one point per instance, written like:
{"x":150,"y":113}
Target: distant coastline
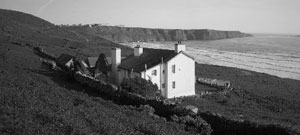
{"x":133,"y":34}
{"x":274,"y":35}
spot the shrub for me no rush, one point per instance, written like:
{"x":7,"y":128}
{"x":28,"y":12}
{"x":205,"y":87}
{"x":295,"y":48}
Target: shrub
{"x":140,"y":86}
{"x":193,"y":125}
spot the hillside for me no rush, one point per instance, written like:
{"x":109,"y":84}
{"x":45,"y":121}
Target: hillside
{"x":8,"y":16}
{"x":28,"y":30}
{"x":131,"y":34}
{"x":36,"y":100}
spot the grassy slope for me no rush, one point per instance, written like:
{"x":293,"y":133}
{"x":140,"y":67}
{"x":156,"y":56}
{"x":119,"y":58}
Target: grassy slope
{"x":56,"y":40}
{"x":35,"y":100}
{"x":257,"y":97}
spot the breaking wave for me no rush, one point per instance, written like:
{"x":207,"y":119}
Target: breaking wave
{"x":274,"y":55}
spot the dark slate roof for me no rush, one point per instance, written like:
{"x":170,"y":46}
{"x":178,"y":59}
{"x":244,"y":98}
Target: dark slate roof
{"x":92,"y":60}
{"x":150,"y":57}
{"x":64,"y":59}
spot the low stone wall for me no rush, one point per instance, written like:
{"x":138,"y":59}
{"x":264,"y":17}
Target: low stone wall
{"x":198,"y":122}
{"x":98,"y":85}
{"x":122,"y":96}
{"x":49,"y":63}
{"x":162,"y":108}
{"x":213,"y":82}
{"x":222,"y":125}
{"x":42,"y":53}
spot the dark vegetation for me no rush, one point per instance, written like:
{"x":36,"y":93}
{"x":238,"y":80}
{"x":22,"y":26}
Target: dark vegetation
{"x":222,"y":125}
{"x":35,"y":100}
{"x":140,"y":86}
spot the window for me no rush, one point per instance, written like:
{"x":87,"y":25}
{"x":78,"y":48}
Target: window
{"x":173,"y":84}
{"x":163,"y":85}
{"x":154,"y":72}
{"x":173,"y":68}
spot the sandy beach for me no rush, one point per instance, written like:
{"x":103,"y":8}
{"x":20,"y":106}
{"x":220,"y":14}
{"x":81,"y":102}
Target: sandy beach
{"x":278,"y":63}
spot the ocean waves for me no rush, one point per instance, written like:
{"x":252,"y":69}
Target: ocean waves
{"x":272,"y":55}
{"x":274,"y":64}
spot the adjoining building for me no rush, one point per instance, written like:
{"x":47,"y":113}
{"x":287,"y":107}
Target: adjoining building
{"x":65,"y":60}
{"x":173,"y":71}
{"x":91,"y":61}
{"x":99,"y":65}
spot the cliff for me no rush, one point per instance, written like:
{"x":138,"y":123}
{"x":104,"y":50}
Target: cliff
{"x":129,"y":34}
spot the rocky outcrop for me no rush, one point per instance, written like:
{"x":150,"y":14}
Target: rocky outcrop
{"x":127,"y":34}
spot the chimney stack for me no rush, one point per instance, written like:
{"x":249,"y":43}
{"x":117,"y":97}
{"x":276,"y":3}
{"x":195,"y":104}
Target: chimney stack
{"x":115,"y":62}
{"x":138,"y":50}
{"x":179,"y":47}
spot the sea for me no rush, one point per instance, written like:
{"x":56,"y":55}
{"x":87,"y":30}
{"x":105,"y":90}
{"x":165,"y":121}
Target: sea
{"x":274,"y":54}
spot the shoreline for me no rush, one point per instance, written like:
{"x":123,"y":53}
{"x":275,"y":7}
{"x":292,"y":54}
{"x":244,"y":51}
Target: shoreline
{"x":276,"y":64}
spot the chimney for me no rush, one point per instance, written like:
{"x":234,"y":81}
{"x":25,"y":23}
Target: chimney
{"x":138,"y":50}
{"x":115,"y":62}
{"x":179,"y":47}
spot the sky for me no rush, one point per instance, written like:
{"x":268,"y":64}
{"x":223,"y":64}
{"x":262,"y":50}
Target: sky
{"x":250,"y":16}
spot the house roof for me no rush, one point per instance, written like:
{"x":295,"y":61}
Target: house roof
{"x":150,"y":57}
{"x":64,"y":59}
{"x":187,"y":55}
{"x":92,"y":61}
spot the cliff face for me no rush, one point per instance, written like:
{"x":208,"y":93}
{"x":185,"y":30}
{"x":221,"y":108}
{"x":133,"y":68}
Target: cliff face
{"x":127,"y":34}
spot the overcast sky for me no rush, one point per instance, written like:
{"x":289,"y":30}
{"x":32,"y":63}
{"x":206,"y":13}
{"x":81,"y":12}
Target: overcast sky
{"x":252,"y":16}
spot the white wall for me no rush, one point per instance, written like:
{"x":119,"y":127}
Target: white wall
{"x":155,"y":79}
{"x":179,"y":48}
{"x":184,"y":76}
{"x":138,"y":51}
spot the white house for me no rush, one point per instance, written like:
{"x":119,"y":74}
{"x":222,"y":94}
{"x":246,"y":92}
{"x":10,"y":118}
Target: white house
{"x":173,"y":71}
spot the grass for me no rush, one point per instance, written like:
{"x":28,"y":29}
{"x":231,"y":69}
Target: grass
{"x":33,"y":102}
{"x":257,"y":97}
{"x":36,"y":101}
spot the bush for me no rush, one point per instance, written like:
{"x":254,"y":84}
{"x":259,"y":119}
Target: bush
{"x":140,"y":86}
{"x":193,"y":125}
